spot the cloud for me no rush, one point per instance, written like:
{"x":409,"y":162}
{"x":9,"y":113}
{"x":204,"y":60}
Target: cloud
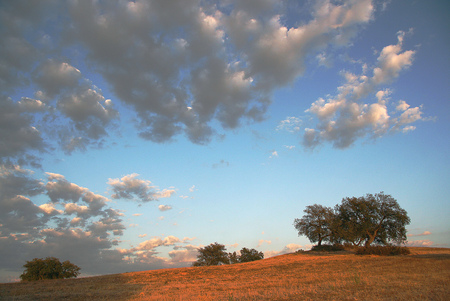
{"x":164,"y":207}
{"x":198,"y":70}
{"x":213,"y":64}
{"x":420,"y":243}
{"x":17,"y":134}
{"x":290,"y":124}
{"x":421,"y":234}
{"x":53,"y":76}
{"x":344,"y":118}
{"x":261,"y":241}
{"x":274,"y":154}
{"x":290,"y":248}
{"x":131,"y":188}
{"x":75,"y":223}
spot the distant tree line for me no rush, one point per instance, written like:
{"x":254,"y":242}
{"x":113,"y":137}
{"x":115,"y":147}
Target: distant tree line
{"x":215,"y":254}
{"x":364,"y":220}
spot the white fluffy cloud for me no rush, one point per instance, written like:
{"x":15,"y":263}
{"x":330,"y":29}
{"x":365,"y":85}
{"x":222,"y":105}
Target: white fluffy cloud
{"x":344,"y":118}
{"x":131,"y":188}
{"x":164,"y":207}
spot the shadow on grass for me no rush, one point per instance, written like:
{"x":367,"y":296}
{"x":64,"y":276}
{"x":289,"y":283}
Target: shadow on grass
{"x":109,"y":287}
{"x":433,"y":256}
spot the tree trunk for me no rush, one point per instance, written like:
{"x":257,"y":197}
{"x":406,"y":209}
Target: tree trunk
{"x":371,"y":238}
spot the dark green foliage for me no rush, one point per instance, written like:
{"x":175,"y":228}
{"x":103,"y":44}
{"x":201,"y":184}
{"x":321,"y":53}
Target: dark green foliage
{"x":316,"y":223}
{"x":372,"y":218}
{"x":248,"y":255}
{"x":368,"y":219}
{"x":328,"y":248}
{"x":213,"y":254}
{"x":382,"y":250}
{"x":234,"y":258}
{"x":49,"y":268}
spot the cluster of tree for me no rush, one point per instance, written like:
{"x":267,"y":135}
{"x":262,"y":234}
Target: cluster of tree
{"x":49,"y":268}
{"x":215,"y":254}
{"x":368,"y":219}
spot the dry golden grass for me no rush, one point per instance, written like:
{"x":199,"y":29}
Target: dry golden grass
{"x":423,"y":275}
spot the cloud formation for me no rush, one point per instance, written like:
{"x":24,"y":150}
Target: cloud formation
{"x":344,"y":118}
{"x":74,"y":223}
{"x":130,"y":187}
{"x":212,"y":63}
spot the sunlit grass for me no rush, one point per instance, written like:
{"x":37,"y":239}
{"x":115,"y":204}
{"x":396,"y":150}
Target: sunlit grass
{"x":423,"y":275}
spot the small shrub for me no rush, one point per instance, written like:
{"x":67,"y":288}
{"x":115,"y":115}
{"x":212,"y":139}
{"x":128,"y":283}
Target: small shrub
{"x":328,"y":248}
{"x":383,"y":250}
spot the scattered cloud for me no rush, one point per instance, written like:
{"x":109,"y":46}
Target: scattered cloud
{"x":343,"y":119}
{"x":164,"y":207}
{"x":262,"y":241}
{"x":274,"y":154}
{"x":130,"y":187}
{"x":290,"y":124}
{"x":74,"y":223}
{"x":420,"y":243}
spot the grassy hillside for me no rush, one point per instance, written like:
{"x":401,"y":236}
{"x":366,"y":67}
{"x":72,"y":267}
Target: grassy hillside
{"x":423,"y":275}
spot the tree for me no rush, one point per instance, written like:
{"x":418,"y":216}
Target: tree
{"x":49,"y":268}
{"x":213,"y":254}
{"x":248,"y":255}
{"x":372,"y":218}
{"x":316,"y":224}
{"x":234,"y":258}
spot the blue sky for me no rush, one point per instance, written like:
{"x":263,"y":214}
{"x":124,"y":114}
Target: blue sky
{"x":133,"y":133}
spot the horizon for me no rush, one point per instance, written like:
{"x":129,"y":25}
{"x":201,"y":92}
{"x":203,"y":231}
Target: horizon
{"x":133,"y":133}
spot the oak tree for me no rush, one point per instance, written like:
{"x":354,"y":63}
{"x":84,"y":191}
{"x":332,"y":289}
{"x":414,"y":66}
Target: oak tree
{"x":316,"y":224}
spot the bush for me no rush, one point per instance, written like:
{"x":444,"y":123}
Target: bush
{"x":248,"y":255}
{"x":328,"y":248}
{"x":383,"y":250}
{"x":49,"y":268}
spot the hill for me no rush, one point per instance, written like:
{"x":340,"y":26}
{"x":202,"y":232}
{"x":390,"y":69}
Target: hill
{"x":423,"y":275}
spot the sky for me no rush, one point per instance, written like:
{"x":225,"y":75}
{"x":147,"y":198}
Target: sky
{"x":133,"y":133}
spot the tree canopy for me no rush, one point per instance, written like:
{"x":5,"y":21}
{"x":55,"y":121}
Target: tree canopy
{"x":248,"y":255}
{"x":215,"y":254}
{"x":370,"y":219}
{"x":316,"y":223}
{"x":49,"y":268}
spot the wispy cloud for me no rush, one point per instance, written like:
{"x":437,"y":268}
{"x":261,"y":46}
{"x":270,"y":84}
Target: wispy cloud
{"x":421,"y":234}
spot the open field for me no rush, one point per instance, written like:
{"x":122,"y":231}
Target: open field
{"x":423,"y":275}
